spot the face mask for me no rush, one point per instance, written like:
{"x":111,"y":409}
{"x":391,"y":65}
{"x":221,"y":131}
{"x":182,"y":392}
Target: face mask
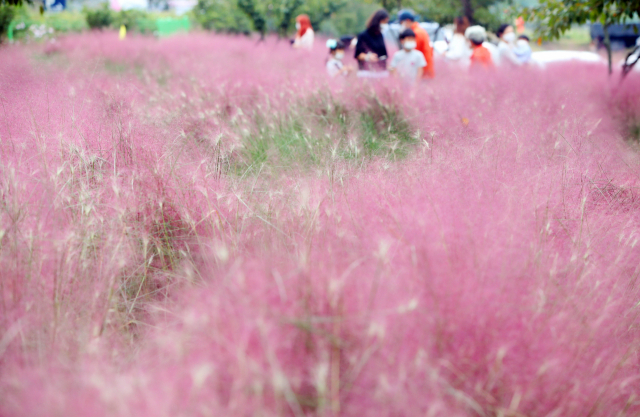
{"x":384,"y":27}
{"x":409,"y":45}
{"x":521,"y":43}
{"x":339,"y":55}
{"x":297,"y":26}
{"x":509,"y":37}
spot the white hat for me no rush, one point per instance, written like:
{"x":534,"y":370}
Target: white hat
{"x":476,"y":34}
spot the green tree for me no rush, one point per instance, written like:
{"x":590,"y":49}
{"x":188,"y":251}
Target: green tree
{"x":7,"y":13}
{"x":444,"y":11}
{"x":221,"y":16}
{"x":6,"y":16}
{"x":100,"y":17}
{"x":286,"y":12}
{"x":256,"y":14}
{"x":262,"y":15}
{"x":555,"y":17}
{"x":321,"y":10}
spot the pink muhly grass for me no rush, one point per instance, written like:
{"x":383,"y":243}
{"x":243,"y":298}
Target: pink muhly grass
{"x":150,"y":266}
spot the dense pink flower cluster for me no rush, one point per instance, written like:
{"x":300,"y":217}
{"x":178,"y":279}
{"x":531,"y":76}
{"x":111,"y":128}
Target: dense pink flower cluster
{"x":490,"y":272}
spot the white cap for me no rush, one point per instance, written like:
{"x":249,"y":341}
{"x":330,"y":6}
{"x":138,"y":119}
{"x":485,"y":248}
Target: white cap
{"x":476,"y":33}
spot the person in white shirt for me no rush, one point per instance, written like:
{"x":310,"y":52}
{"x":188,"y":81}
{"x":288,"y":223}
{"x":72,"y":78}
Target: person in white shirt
{"x":304,"y":35}
{"x":458,"y":49}
{"x":507,"y":37}
{"x":334,"y":63}
{"x":408,"y":63}
{"x":523,"y":49}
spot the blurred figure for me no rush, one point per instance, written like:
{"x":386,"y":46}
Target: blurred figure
{"x":336,"y":54}
{"x":58,"y":5}
{"x":371,"y":51}
{"x":459,"y":47}
{"x":507,"y":40}
{"x":520,"y":24}
{"x":480,"y":55}
{"x":423,"y":44}
{"x":408,"y":63}
{"x":522,"y":49}
{"x":631,"y":59}
{"x":305,"y":36}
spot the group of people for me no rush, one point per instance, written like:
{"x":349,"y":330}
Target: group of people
{"x":469,"y":45}
{"x":414,"y":60}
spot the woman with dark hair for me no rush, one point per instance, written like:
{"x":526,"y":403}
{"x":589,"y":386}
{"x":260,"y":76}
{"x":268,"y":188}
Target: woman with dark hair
{"x":371,"y":51}
{"x":507,"y":37}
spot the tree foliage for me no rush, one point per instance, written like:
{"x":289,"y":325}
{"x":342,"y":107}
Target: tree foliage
{"x":321,"y":10}
{"x":6,"y":15}
{"x":254,"y":10}
{"x":100,"y":17}
{"x":221,"y":16}
{"x":262,"y":16}
{"x":480,"y":12}
{"x":338,"y":17}
{"x":555,"y":17}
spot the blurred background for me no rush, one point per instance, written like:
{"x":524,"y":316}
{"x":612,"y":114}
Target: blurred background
{"x":331,"y":18}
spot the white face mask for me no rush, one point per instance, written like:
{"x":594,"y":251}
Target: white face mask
{"x":339,"y":55}
{"x":409,"y":45}
{"x":509,"y":37}
{"x":384,"y":27}
{"x":297,"y":26}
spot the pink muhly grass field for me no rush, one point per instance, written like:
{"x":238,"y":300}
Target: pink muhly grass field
{"x":203,"y":226}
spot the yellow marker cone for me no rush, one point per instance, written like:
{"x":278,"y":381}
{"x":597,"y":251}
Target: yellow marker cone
{"x":123,"y":32}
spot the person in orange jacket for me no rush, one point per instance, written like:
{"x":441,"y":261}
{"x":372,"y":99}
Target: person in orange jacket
{"x":480,"y":57}
{"x":408,"y":21}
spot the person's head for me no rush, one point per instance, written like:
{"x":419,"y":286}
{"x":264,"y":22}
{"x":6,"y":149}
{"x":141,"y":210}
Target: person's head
{"x":462,"y":23}
{"x":476,"y":35}
{"x":505,"y":32}
{"x":375,"y":22}
{"x":302,"y":24}
{"x":406,"y":18}
{"x":336,"y":48}
{"x":408,"y":39}
{"x":522,"y":47}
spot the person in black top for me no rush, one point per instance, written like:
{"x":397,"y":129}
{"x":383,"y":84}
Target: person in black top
{"x":371,"y":52}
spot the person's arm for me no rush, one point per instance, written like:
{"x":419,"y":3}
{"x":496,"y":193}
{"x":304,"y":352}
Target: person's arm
{"x":369,"y":56}
{"x":332,"y":69}
{"x":383,"y":52}
{"x":421,"y":67}
{"x":393,"y":64}
{"x":360,"y":52}
{"x":455,"y":49}
{"x":511,"y":56}
{"x":428,"y":56}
